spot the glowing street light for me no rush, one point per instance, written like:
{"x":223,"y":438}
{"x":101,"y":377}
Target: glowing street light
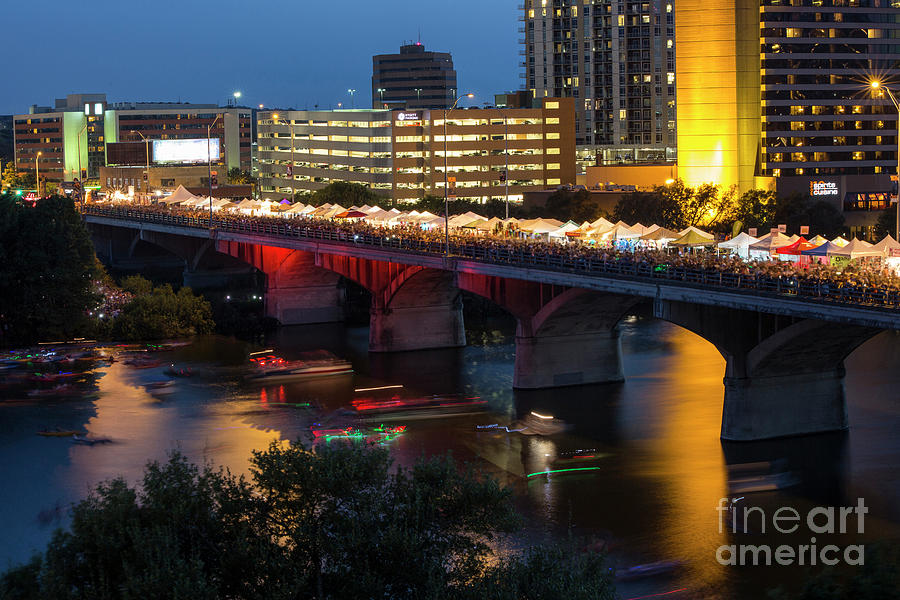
{"x":876,"y":86}
{"x":37,"y":174}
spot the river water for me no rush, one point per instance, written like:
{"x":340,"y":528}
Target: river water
{"x":653,"y":498}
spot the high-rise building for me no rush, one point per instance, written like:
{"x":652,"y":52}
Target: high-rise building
{"x":776,"y":93}
{"x":616,"y":59}
{"x":69,"y":140}
{"x":489,"y":153}
{"x":413,"y":79}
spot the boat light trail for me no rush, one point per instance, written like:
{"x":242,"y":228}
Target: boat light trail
{"x":540,"y":416}
{"x":373,"y":389}
{"x":658,"y":595}
{"x":563,"y":471}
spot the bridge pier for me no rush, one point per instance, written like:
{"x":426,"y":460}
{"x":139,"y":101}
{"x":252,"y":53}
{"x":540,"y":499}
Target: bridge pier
{"x":783,"y":376}
{"x":784,"y":405}
{"x":404,"y":328}
{"x":300,"y":293}
{"x":561,"y":360}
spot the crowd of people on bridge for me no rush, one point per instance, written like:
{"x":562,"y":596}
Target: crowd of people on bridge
{"x":871,"y":272}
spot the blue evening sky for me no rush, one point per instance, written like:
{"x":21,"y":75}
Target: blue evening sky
{"x":281,"y":53}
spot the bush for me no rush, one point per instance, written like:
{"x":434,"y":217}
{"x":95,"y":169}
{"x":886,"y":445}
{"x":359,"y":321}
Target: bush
{"x":340,"y":522}
{"x":161,"y":313}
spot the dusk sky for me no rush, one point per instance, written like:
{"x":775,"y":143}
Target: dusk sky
{"x":284,"y":53}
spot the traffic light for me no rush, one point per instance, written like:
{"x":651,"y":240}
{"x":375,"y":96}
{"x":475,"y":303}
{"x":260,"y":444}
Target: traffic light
{"x":214,"y":179}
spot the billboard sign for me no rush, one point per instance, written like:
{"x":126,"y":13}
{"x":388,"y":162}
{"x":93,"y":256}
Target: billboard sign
{"x":409,"y":116}
{"x":185,"y":151}
{"x":823,"y":188}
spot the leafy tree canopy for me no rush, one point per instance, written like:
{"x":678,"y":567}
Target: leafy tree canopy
{"x":161,"y":313}
{"x":47,"y":271}
{"x":340,"y":522}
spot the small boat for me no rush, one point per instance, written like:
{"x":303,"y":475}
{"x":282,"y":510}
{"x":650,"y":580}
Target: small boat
{"x":418,"y":408}
{"x":143,"y":364}
{"x":90,"y":441}
{"x":268,"y":367}
{"x":60,"y":433}
{"x":663,"y":567}
{"x":159,"y":385}
{"x":58,"y":390}
{"x":351,"y":432}
{"x":49,"y":377}
{"x":538,"y":424}
{"x":173,"y":371}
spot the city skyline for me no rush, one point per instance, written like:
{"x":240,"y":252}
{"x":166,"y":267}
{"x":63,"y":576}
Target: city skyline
{"x":160,"y":58}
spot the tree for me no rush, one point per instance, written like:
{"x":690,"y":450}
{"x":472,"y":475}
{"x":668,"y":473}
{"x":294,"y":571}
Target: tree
{"x":238,"y":177}
{"x":756,"y":208}
{"x":565,"y":205}
{"x":346,"y":194}
{"x":47,"y":271}
{"x":161,"y":313}
{"x":887,"y":223}
{"x":647,"y":208}
{"x":340,"y":522}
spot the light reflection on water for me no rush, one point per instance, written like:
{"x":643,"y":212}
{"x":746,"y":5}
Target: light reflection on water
{"x":653,"y":497}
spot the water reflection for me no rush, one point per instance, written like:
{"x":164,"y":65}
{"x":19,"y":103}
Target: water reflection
{"x":657,"y":470}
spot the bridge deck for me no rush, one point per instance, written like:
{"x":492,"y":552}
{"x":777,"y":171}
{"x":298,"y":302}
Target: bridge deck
{"x":790,"y":296}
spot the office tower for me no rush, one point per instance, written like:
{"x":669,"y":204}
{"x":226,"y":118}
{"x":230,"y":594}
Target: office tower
{"x":70,"y":139}
{"x":489,"y":153}
{"x":616,"y":59}
{"x":776,"y":94}
{"x":413,"y":79}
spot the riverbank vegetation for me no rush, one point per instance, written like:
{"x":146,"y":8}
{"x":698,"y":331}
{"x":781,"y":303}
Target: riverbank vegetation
{"x":340,"y":522}
{"x":48,"y":271}
{"x":53,"y":287}
{"x":156,"y":313}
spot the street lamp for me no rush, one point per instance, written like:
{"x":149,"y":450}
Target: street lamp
{"x":446,"y":198}
{"x":381,"y":92}
{"x":290,"y":124}
{"x":37,"y":174}
{"x":147,"y":148}
{"x":878,"y":85}
{"x":208,"y":165}
{"x":351,"y":92}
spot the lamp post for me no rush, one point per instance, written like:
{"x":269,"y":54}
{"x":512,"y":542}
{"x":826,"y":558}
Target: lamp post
{"x":208,"y":165}
{"x":147,"y":148}
{"x":381,"y":94}
{"x":351,"y":92}
{"x":290,"y":124}
{"x":877,"y":85}
{"x":37,"y":174}
{"x":446,"y":198}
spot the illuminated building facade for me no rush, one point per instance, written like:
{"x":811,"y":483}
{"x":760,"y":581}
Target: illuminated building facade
{"x":401,"y":153}
{"x":69,"y":140}
{"x":778,"y":88}
{"x":413,"y":79}
{"x":616,"y":58}
{"x":816,"y":58}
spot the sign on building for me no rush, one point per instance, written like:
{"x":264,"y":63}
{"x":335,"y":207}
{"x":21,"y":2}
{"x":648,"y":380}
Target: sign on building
{"x":823,"y":188}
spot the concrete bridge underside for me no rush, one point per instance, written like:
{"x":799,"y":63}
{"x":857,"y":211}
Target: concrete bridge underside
{"x":784,"y":374}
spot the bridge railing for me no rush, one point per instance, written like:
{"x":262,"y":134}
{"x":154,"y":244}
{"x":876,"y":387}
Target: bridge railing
{"x":621,"y":266}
